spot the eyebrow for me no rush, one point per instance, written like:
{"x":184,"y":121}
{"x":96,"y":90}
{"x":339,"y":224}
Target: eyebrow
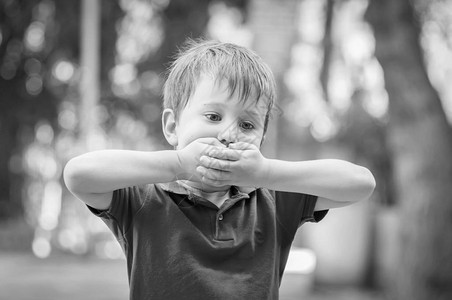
{"x":254,"y":114}
{"x":214,"y":104}
{"x":220,"y":104}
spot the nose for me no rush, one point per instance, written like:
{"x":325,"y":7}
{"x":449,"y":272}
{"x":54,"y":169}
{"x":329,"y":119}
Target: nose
{"x":229,"y":134}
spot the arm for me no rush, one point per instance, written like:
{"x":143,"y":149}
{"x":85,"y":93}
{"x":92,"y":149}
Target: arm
{"x":335,"y":182}
{"x":93,"y":176}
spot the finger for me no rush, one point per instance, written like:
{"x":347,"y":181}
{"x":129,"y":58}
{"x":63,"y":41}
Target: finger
{"x":225,"y":154}
{"x":213,"y":174}
{"x":242,"y":146}
{"x":211,"y":141}
{"x":213,"y":163}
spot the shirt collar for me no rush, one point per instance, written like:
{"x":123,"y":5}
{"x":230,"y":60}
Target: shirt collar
{"x":181,"y":188}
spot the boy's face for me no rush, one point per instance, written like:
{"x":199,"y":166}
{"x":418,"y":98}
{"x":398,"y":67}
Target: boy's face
{"x":213,"y":112}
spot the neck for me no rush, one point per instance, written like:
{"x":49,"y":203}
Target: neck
{"x":202,"y":187}
{"x":216,"y":195}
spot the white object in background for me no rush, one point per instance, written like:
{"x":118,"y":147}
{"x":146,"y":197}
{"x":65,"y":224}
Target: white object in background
{"x":298,"y":277}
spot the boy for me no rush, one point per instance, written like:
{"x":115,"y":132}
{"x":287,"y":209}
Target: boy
{"x":213,"y":218}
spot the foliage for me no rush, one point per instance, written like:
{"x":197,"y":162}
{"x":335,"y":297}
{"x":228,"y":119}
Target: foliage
{"x":40,"y":116}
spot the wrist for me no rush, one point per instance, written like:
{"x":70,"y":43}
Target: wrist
{"x":264,"y":177}
{"x":178,"y":166}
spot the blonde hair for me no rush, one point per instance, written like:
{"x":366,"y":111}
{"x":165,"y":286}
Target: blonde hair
{"x":244,"y":71}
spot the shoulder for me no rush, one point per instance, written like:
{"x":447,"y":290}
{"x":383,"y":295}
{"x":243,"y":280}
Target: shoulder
{"x":129,"y":200}
{"x":298,"y":206}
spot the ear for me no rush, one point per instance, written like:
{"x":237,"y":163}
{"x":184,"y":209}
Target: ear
{"x":169,"y":126}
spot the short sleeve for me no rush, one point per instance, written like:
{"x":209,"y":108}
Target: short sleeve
{"x":294,"y":209}
{"x":125,"y":204}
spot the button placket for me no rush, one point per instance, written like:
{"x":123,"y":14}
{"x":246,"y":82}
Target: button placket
{"x":221,"y":224}
{"x":218,"y":223}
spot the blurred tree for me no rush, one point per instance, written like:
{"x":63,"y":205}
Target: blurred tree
{"x":327,"y":48}
{"x":360,"y":133}
{"x":420,"y":141}
{"x":89,"y":85}
{"x":39,"y":50}
{"x":181,"y":20}
{"x":138,"y":40}
{"x":273,"y":42}
{"x":39,"y":36}
{"x":26,"y":42}
{"x":35,"y":35}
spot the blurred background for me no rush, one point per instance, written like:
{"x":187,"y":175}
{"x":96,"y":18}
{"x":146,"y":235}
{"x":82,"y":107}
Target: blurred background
{"x":366,"y":81}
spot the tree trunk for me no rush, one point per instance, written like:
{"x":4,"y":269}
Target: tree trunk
{"x":11,"y":206}
{"x":421,"y":144}
{"x":327,"y":49}
{"x":274,"y":28}
{"x":89,"y":87}
{"x":182,"y":20}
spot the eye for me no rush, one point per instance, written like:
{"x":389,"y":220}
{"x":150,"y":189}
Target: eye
{"x":213,"y":117}
{"x":246,"y":125}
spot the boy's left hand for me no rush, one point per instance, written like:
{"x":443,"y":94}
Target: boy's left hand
{"x":241,"y":164}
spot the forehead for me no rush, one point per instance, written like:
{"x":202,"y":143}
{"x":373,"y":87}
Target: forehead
{"x":217,"y":92}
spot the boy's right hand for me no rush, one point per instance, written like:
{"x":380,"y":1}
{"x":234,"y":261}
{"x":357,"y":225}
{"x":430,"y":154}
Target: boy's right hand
{"x":189,"y":157}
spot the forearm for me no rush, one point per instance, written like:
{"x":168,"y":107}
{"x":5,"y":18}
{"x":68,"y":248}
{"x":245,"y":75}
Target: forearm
{"x":107,"y":170}
{"x":328,"y":178}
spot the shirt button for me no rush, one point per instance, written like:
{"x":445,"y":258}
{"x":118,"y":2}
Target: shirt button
{"x":220,"y":217}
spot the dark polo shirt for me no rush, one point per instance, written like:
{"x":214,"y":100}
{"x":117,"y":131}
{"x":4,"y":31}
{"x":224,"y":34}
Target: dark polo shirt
{"x":180,"y":246}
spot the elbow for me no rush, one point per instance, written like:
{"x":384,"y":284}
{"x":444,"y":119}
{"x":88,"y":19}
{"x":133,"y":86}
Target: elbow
{"x":366,"y":184}
{"x":73,"y":176}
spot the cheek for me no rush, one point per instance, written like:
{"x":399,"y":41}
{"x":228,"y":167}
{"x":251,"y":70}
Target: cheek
{"x":254,"y":138}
